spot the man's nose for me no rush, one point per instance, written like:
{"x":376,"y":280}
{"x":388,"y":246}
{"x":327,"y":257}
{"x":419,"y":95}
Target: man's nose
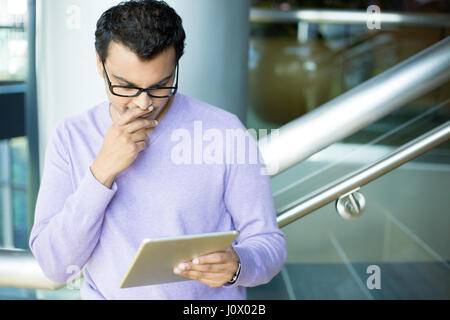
{"x":143,"y":101}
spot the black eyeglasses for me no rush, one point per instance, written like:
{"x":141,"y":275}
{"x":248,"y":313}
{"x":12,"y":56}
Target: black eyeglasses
{"x":130,"y":91}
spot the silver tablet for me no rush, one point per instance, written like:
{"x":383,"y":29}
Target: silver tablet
{"x":156,"y":258}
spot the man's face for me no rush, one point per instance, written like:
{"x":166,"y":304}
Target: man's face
{"x":124,"y":68}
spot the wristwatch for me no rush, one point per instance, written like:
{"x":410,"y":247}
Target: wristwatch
{"x":236,"y":275}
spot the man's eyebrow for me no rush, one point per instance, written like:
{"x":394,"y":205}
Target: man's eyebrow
{"x":134,"y":85}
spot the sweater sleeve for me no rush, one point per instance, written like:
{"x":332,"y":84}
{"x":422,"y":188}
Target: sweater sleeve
{"x":261,"y":245}
{"x":67,"y":222}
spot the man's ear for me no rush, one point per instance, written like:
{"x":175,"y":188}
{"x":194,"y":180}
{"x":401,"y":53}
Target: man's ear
{"x":99,"y":65}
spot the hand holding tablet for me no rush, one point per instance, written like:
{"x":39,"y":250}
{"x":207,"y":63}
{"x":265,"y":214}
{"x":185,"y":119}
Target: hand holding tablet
{"x":214,"y":270}
{"x":156,"y":259}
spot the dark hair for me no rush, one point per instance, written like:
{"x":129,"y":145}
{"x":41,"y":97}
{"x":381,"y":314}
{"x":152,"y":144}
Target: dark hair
{"x":146,"y":27}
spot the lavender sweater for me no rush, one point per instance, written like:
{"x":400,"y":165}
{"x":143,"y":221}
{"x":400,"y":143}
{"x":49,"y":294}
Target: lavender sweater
{"x":80,"y":223}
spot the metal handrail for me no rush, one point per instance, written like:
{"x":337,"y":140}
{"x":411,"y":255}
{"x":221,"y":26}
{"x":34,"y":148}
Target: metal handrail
{"x":356,"y":179}
{"x":348,"y":17}
{"x":19,"y":269}
{"x":357,"y":108}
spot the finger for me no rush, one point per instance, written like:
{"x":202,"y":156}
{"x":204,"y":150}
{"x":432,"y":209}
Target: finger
{"x":140,"y":124}
{"x":220,"y":257}
{"x":141,"y":145}
{"x":200,"y":276}
{"x":131,"y":114}
{"x":211,"y":268}
{"x":140,"y":136}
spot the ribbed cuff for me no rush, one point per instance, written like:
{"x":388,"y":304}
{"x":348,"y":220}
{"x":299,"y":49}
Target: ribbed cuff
{"x":245,"y":261}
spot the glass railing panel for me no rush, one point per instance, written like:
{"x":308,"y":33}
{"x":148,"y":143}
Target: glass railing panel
{"x":294,"y":68}
{"x":403,"y":232}
{"x":17,"y":294}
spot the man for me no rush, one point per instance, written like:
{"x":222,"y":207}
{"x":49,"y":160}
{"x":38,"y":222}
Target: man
{"x":110,"y":179}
